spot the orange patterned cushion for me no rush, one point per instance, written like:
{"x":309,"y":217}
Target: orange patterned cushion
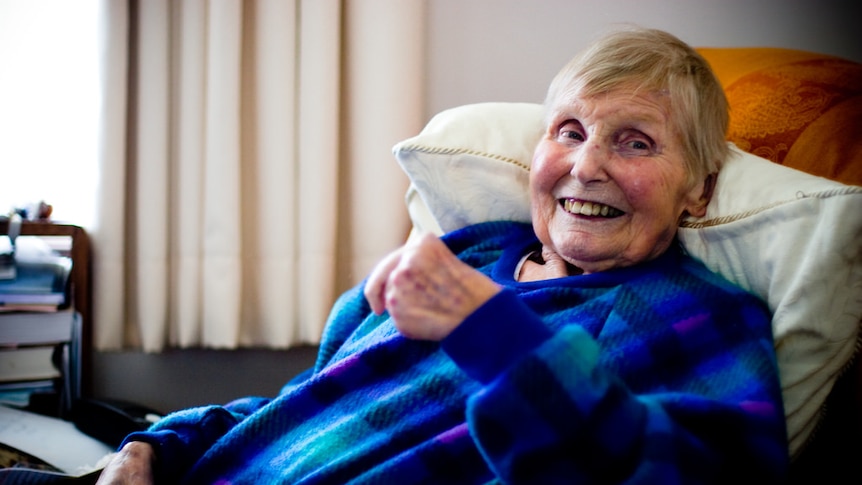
{"x":796,"y":108}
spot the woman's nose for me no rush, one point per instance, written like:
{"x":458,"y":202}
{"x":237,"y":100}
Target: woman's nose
{"x":589,"y":162}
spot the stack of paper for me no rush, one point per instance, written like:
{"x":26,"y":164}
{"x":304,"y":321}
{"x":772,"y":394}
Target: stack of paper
{"x":53,"y":441}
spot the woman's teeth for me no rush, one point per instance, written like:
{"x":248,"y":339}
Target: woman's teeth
{"x":590,"y":208}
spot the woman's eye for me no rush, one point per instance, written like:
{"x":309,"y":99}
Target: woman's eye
{"x":570,"y":131}
{"x":636,"y":145}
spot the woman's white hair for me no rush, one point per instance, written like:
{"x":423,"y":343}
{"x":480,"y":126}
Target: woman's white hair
{"x":657,"y":61}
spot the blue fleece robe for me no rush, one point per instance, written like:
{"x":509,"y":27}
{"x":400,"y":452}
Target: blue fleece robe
{"x":658,"y":373}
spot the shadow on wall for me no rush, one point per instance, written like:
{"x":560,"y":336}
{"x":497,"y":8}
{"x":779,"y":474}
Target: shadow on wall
{"x":177,"y":379}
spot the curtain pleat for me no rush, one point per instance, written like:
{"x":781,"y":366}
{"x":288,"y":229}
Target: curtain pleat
{"x":384,"y":54}
{"x":247,"y":177}
{"x":222,"y":204}
{"x":148,"y":164}
{"x":108,"y":233}
{"x":270,"y":165}
{"x":187,"y":185}
{"x":317,"y":163}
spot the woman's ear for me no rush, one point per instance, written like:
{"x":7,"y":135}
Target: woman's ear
{"x":700,"y":196}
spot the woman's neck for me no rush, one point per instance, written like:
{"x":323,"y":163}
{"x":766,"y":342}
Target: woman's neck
{"x":545,"y":265}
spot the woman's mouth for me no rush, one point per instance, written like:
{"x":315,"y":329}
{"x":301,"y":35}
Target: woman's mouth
{"x":593,"y":209}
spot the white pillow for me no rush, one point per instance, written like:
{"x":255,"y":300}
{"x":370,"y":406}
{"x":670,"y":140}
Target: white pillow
{"x":793,"y":239}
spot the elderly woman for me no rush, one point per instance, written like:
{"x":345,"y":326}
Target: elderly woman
{"x":584,"y":348}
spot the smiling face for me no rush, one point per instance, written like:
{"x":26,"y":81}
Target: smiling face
{"x":609,"y":181}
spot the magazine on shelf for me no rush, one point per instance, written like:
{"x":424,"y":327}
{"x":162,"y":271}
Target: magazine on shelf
{"x":28,"y":364}
{"x":19,"y":394}
{"x":20,"y":328}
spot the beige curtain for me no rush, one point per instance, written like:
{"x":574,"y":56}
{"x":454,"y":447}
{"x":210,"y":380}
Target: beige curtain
{"x":246,"y":171}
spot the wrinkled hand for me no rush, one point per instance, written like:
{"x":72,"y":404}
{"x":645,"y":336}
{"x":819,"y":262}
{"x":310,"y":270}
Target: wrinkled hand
{"x":132,"y":465}
{"x":426,"y":289}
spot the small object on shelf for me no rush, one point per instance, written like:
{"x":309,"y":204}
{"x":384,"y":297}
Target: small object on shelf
{"x":7,"y":259}
{"x":7,"y":249}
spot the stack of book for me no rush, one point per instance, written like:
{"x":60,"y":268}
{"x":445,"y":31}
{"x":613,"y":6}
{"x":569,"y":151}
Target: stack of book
{"x":39,"y":331}
{"x":34,"y":276}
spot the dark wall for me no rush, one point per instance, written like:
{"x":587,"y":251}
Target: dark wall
{"x":177,"y":379}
